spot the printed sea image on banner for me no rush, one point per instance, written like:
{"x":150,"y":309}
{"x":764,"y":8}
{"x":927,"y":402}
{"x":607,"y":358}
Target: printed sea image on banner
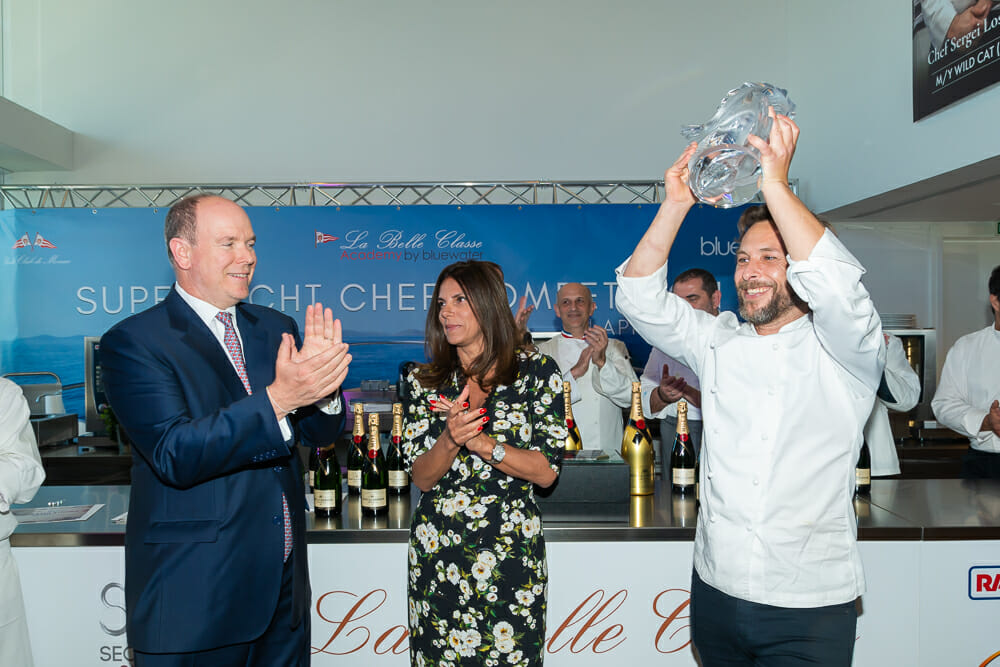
{"x":956,"y":51}
{"x":375,"y":266}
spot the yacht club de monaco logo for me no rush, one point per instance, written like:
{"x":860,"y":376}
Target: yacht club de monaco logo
{"x":395,"y":245}
{"x":39,"y":242}
{"x":984,"y":582}
{"x":26,"y":243}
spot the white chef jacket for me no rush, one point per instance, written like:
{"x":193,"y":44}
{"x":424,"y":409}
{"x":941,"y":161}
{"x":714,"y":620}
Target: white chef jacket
{"x":904,"y":385}
{"x":938,"y":15}
{"x":970,"y":382}
{"x":599,"y":395}
{"x":651,"y":376}
{"x":21,"y":474}
{"x":783,"y":416}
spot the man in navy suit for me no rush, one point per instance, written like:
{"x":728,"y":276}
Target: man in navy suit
{"x":212,"y":392}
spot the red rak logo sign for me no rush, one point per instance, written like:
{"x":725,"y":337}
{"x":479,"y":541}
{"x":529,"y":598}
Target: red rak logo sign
{"x":984,"y":582}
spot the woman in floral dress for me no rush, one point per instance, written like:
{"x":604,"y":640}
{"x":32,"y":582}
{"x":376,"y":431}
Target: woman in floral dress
{"x":483,"y":423}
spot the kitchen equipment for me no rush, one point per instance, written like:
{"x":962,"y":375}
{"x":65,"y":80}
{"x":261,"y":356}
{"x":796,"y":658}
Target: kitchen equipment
{"x":49,"y":419}
{"x":40,"y":395}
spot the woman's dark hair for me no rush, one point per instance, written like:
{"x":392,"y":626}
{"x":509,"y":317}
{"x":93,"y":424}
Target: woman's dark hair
{"x":483,"y":286}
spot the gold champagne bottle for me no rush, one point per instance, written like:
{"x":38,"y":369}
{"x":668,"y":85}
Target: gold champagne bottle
{"x":637,"y":447}
{"x":573,"y":440}
{"x":356,"y":453}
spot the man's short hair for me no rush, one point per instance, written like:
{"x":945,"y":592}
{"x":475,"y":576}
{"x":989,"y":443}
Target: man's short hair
{"x":182,"y":221}
{"x":994,"y":283}
{"x":755,"y":214}
{"x":708,"y":281}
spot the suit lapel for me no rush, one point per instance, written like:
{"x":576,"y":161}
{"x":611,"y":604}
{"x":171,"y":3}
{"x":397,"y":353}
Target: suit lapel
{"x":203,"y":343}
{"x":258,"y":348}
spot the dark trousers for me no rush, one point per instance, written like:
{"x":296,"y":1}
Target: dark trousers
{"x":280,"y":646}
{"x":730,"y":631}
{"x":977,"y":464}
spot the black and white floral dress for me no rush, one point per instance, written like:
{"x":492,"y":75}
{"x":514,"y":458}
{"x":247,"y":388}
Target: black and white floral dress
{"x":477,"y":571}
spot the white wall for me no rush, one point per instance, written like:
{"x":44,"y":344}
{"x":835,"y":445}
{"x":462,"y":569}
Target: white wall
{"x":850,"y":64}
{"x":255,"y":91}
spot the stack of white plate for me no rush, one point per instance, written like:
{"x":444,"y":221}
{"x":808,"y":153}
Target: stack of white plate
{"x":898,"y":320}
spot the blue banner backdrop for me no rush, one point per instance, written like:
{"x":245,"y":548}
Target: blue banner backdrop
{"x":70,"y":273}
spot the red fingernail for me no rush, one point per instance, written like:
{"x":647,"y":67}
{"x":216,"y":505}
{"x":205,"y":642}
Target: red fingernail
{"x":485,"y":419}
{"x":465,"y":405}
{"x":480,"y":428}
{"x":482,"y":411}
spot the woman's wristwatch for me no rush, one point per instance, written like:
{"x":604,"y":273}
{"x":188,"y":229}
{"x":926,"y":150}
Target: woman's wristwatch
{"x":499,"y":451}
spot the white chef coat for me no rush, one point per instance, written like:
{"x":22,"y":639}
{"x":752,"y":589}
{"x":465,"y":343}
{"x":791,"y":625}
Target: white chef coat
{"x":599,"y":395}
{"x":783,"y":416}
{"x":970,"y":382}
{"x":651,"y":376}
{"x":904,"y":385}
{"x":21,"y":474}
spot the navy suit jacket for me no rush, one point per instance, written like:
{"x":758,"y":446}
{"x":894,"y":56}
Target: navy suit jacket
{"x":205,"y":534}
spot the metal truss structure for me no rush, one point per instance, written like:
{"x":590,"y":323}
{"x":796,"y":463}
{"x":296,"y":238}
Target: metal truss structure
{"x":336,"y":194}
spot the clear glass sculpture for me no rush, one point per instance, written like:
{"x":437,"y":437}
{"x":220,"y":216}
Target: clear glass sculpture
{"x":725,"y":170}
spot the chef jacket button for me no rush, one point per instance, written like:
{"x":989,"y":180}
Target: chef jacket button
{"x":749,"y":528}
{"x":774,"y":346}
{"x":763,"y":436}
{"x":709,"y":474}
{"x":715,"y":390}
{"x":712,"y":519}
{"x":770,"y":391}
{"x":756,"y":481}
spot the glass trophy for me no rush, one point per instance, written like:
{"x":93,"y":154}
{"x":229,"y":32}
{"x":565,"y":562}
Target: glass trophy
{"x":725,"y":170}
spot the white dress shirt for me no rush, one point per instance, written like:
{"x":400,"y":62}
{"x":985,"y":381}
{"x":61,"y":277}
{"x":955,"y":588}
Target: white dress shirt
{"x":904,"y":385}
{"x":970,"y":382}
{"x":599,"y":395}
{"x":783,"y":416}
{"x":651,"y":376}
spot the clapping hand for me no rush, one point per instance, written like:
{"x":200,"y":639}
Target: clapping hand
{"x":597,"y":342}
{"x":462,"y":424}
{"x":308,"y":374}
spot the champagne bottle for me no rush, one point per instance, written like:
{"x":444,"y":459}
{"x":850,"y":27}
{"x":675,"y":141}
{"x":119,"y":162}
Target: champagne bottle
{"x":399,"y":479}
{"x":682,"y":460}
{"x":311,"y":473}
{"x":374,"y":477}
{"x":573,"y":440}
{"x":863,"y":471}
{"x":637,"y":447}
{"x":327,"y":483}
{"x":356,"y":453}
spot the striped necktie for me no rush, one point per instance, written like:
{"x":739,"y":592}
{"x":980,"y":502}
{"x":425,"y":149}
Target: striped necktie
{"x":232,"y":342}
